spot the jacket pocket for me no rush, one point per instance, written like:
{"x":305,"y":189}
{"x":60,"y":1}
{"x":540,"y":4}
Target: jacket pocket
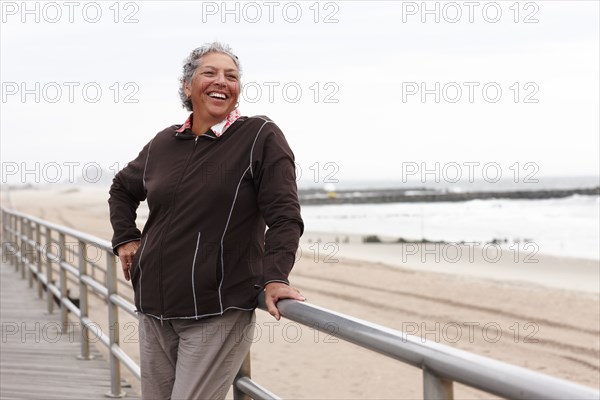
{"x":137,"y":258}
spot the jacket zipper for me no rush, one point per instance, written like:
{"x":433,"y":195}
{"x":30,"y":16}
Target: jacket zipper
{"x":160,"y":254}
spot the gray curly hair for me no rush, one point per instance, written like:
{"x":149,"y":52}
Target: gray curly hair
{"x":193,"y":61}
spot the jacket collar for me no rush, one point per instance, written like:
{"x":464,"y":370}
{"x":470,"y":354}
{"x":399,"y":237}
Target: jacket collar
{"x":216,"y":130}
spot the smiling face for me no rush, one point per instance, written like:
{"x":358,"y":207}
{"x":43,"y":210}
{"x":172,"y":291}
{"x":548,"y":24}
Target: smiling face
{"x":215,"y":88}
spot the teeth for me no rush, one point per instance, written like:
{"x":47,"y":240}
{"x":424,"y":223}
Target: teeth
{"x":218,"y":95}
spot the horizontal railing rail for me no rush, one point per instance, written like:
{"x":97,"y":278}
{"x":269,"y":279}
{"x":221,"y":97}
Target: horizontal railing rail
{"x":441,"y":364}
{"x":24,"y":243}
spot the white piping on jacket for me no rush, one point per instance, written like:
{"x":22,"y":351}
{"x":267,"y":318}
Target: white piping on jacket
{"x":193,"y":267}
{"x":140,"y":267}
{"x":200,"y":316}
{"x":253,"y":143}
{"x":146,"y":166}
{"x":223,"y":236}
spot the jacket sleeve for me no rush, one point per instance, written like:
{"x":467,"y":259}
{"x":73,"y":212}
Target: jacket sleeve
{"x":277,"y":195}
{"x":126,"y":193}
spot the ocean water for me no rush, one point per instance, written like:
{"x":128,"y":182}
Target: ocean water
{"x":567,"y":227}
{"x":521,"y":183}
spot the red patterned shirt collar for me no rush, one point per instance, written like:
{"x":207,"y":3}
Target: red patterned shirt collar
{"x":219,"y":128}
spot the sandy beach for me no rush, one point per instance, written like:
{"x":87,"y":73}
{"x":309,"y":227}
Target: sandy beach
{"x":542,"y":315}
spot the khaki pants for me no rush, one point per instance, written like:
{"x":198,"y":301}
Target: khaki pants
{"x":193,"y":359}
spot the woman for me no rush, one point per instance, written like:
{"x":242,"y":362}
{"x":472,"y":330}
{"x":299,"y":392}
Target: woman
{"x":203,"y":257}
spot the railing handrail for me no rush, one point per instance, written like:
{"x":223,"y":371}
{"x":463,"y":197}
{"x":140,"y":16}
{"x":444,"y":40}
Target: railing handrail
{"x":441,"y":364}
{"x":480,"y":372}
{"x":85,"y":237}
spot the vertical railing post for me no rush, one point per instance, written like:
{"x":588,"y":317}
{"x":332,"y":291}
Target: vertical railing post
{"x":5,"y":234}
{"x":4,"y":230}
{"x":245,"y":371}
{"x":30,"y":254}
{"x":6,"y":243}
{"x":62,"y":274}
{"x":22,"y":250}
{"x":435,"y":387}
{"x":13,"y":222}
{"x":113,"y":327}
{"x":9,"y":236}
{"x":13,"y":239}
{"x":18,"y":243}
{"x":49,"y":295}
{"x":38,"y":253}
{"x":83,"y":302}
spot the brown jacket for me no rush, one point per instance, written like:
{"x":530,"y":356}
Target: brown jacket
{"x":204,"y":248}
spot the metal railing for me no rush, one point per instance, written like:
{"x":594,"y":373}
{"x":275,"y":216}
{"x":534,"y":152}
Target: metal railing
{"x":27,"y":238}
{"x":41,"y":250}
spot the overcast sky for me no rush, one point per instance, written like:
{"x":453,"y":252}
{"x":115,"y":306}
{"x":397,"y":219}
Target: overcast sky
{"x":362,"y":90}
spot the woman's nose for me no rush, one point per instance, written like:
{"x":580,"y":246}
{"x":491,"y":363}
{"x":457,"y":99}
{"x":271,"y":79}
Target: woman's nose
{"x":220,"y":78}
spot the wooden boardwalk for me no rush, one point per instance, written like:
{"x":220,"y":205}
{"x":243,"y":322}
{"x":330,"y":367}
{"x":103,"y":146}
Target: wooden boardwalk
{"x":37,"y":361}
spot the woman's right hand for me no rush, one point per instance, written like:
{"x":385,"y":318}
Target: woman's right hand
{"x":126,"y":252}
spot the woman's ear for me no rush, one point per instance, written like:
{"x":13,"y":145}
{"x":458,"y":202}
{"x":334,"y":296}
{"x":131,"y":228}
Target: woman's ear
{"x":187,"y":89}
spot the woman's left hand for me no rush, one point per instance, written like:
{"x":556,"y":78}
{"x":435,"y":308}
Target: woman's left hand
{"x":276,"y":291}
